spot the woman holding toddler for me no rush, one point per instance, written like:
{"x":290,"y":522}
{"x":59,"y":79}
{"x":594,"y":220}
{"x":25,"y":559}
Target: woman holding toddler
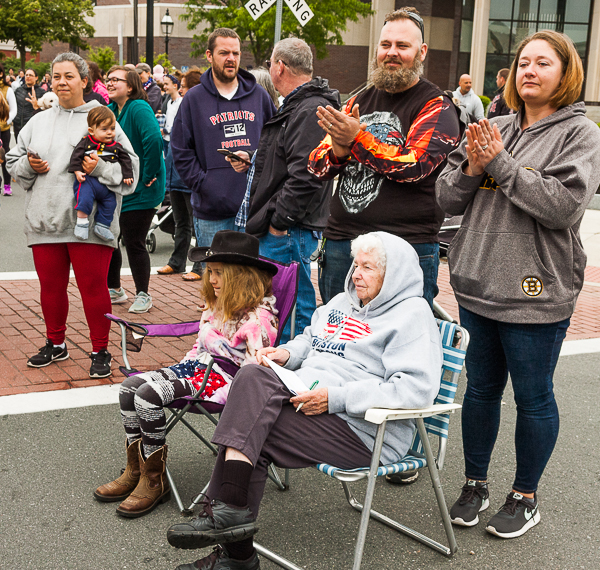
{"x":40,"y":164}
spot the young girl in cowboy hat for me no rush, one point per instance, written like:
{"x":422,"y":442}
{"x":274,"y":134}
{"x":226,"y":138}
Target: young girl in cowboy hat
{"x":239,"y":318}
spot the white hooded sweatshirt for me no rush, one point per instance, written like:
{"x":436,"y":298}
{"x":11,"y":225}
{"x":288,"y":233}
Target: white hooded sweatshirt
{"x":387,"y":354}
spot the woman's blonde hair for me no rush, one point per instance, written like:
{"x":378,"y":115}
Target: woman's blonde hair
{"x":572,"y":81}
{"x":4,"y":108}
{"x":244,"y":288}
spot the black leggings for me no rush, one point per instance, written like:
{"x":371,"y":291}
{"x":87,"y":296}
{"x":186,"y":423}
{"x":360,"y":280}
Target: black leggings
{"x":134,"y":227}
{"x":142,"y":399}
{"x":5,"y":136}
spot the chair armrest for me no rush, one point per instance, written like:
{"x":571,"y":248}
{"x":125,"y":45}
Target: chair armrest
{"x":380,"y":415}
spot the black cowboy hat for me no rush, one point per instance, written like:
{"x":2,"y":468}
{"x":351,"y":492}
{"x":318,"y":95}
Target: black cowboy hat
{"x":229,"y":246}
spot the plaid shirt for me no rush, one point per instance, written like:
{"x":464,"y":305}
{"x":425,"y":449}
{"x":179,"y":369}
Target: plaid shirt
{"x":242,"y":215}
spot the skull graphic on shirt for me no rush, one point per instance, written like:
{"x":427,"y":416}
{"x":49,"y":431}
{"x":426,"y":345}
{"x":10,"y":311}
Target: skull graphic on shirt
{"x":360,"y":185}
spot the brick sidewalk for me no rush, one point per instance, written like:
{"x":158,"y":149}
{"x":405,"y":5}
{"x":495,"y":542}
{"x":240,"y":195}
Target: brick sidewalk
{"x":22,"y":330}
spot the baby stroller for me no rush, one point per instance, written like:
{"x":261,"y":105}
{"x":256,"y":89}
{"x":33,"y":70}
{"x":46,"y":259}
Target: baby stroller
{"x":163,"y":219}
{"x":449,"y":229}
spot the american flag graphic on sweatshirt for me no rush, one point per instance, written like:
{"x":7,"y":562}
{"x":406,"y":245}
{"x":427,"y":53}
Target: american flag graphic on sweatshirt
{"x":351,"y":329}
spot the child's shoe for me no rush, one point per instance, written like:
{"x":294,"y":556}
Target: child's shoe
{"x":82,"y":231}
{"x":103,"y":232}
{"x":7,"y":190}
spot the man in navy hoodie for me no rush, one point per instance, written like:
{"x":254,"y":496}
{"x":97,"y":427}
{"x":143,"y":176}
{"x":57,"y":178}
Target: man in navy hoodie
{"x":226,"y":111}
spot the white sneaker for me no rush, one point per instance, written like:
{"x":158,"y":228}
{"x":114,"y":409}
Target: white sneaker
{"x":141,"y":304}
{"x":117,"y":296}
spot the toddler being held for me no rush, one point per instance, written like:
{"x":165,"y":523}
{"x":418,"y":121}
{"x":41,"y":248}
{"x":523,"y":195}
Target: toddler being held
{"x":98,"y":144}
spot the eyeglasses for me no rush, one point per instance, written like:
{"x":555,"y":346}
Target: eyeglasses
{"x":268,"y":63}
{"x":115,"y":80}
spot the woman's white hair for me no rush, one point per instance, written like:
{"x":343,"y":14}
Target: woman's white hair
{"x":373,"y":244}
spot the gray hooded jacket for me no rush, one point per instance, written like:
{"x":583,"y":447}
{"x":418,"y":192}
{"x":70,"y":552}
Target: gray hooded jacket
{"x":49,"y":209}
{"x":385,"y":354}
{"x":518,"y":256}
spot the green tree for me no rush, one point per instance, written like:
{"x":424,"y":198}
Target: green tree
{"x":485,"y":101}
{"x":30,"y":23}
{"x":103,"y":56}
{"x":325,"y":28}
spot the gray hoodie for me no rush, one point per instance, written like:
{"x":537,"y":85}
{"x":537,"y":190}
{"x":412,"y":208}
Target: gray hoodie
{"x":385,"y":354}
{"x":49,"y":208}
{"x":518,"y":256}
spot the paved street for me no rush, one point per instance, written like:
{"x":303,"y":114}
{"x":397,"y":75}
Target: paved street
{"x":52,"y":460}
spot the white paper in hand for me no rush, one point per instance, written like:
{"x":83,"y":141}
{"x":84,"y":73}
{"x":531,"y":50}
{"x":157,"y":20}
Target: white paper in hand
{"x":289,"y":378}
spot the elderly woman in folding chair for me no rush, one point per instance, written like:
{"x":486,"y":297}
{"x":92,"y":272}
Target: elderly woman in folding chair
{"x":239,"y":319}
{"x":375,"y":345}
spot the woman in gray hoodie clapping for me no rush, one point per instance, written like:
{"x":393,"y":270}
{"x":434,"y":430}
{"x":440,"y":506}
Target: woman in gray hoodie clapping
{"x":523,"y":182}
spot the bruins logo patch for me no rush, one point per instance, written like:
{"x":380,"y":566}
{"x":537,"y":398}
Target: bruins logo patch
{"x":532,"y":286}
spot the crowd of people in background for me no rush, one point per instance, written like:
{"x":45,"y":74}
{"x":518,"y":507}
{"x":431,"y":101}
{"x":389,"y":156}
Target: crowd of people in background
{"x":254,"y":154}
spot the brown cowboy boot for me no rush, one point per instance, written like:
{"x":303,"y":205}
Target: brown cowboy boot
{"x":121,"y":488}
{"x":153,"y":488}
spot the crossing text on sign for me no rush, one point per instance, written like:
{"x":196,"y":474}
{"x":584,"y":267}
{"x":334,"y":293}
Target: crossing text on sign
{"x":301,"y":10}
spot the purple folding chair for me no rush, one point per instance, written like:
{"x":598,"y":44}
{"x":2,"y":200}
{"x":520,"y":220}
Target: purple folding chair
{"x":285,"y":290}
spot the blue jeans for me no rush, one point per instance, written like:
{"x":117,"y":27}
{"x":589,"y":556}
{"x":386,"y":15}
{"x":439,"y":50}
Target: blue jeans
{"x":298,"y":245}
{"x":528,"y":352}
{"x":332,"y":276}
{"x":91,"y":190}
{"x":206,"y":229}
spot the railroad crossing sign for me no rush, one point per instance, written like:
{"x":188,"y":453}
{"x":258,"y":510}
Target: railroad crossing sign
{"x":299,"y":8}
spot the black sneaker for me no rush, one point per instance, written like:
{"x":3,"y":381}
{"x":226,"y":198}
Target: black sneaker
{"x":218,"y":523}
{"x":47,"y":355}
{"x":403,"y":478}
{"x":473,"y":499}
{"x":100,"y":367}
{"x":219,"y":559}
{"x":516,"y":517}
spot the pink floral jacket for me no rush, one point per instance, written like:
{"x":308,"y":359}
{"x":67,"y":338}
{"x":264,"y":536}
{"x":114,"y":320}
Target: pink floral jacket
{"x":237,"y":340}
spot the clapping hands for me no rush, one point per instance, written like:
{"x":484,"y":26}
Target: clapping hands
{"x":484,"y":143}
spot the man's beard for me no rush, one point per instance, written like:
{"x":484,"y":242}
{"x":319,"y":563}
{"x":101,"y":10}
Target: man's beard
{"x":219,"y":73}
{"x":395,"y":80}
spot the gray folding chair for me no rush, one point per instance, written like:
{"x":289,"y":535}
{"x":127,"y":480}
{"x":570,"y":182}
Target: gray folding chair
{"x":432,"y":421}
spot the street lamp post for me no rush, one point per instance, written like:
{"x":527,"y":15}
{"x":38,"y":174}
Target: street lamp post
{"x":167,"y":28}
{"x":135,"y":52}
{"x":150,"y":33}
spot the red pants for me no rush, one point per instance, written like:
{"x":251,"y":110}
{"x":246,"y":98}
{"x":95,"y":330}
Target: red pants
{"x":90,"y":265}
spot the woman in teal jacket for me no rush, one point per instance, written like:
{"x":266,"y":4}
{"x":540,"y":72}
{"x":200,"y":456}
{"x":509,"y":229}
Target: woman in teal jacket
{"x":136,"y":118}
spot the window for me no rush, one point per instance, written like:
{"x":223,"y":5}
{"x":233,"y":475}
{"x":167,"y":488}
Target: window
{"x":513,"y":20}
